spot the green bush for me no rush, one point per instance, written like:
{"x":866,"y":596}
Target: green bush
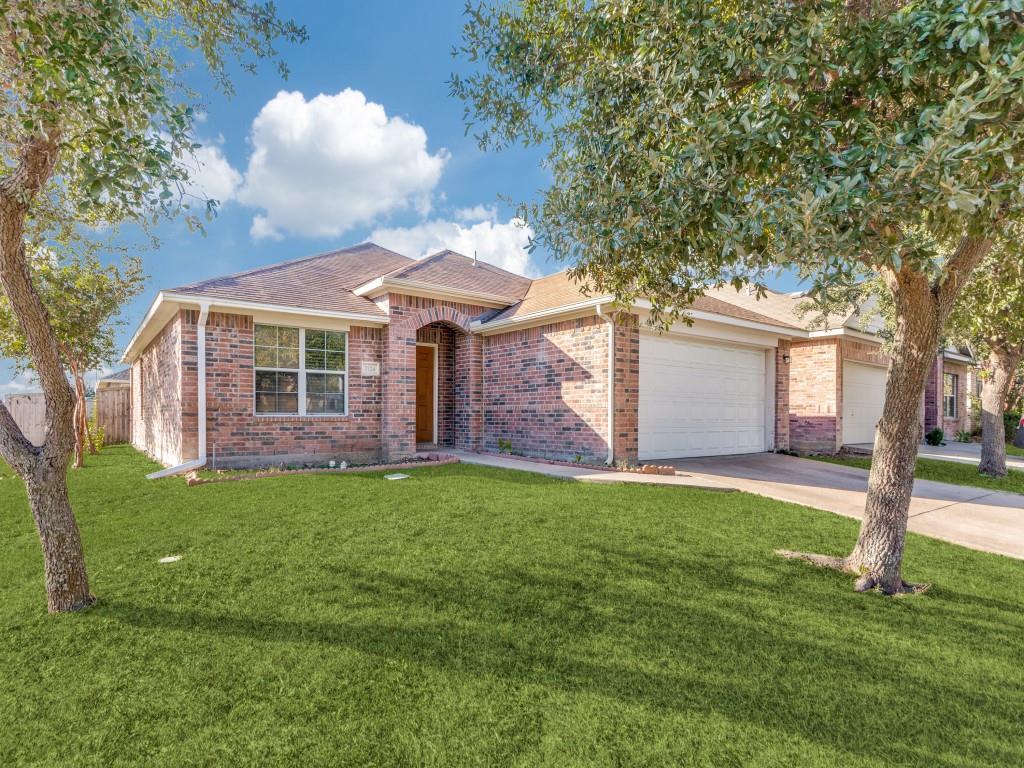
{"x":963,"y":436}
{"x":1010,"y":421}
{"x":96,"y":433}
{"x":935,"y":437}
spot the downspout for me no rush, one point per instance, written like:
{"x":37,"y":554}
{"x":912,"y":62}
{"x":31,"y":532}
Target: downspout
{"x":200,"y":460}
{"x":611,"y":383}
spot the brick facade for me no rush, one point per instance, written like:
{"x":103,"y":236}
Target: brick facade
{"x":815,"y":396}
{"x":782,"y":373}
{"x":157,"y":397}
{"x":547,"y":389}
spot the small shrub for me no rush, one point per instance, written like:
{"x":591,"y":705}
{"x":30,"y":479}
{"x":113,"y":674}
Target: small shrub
{"x":935,"y":437}
{"x":97,"y":435}
{"x":1010,"y":421}
{"x":963,"y":436}
{"x":504,"y":446}
{"x":578,"y":458}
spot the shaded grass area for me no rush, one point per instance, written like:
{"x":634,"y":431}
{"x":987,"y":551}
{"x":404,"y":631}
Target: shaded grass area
{"x":1013,"y":450}
{"x":475,"y":616}
{"x":955,"y":472}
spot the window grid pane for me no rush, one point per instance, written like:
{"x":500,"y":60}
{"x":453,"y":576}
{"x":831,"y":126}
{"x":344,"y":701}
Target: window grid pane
{"x":281,"y":363}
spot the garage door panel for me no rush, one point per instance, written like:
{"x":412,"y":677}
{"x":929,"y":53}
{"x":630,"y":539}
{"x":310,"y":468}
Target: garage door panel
{"x":863,"y":400}
{"x":699,"y":398}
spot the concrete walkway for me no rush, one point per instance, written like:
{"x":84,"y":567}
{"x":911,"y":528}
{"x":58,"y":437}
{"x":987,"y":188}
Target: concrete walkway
{"x":972,"y":517}
{"x":587,"y":475}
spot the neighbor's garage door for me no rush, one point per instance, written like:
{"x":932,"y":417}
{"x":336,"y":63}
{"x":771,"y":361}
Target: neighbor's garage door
{"x":863,"y":397}
{"x":699,"y":398}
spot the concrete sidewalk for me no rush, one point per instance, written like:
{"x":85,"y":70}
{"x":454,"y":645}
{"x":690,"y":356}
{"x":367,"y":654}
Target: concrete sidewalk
{"x":586,"y":474}
{"x":966,"y":453}
{"x":972,"y":517}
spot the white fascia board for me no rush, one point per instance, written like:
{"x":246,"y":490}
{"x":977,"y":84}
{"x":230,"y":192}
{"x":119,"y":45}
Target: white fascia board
{"x":169,"y":302}
{"x":382,"y":285}
{"x":531,"y":318}
{"x":844,"y":331}
{"x":739,"y":322}
{"x":217,"y":304}
{"x":957,"y":357}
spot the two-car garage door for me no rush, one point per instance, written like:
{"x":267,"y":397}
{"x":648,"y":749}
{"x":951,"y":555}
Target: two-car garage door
{"x":700,"y":398}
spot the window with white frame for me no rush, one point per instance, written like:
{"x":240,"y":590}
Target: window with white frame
{"x":300,"y":371}
{"x":950,"y":386}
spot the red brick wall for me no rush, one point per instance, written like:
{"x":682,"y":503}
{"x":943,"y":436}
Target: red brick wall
{"x":237,"y":436}
{"x":863,"y":352}
{"x":962,"y":420}
{"x":545,"y":389}
{"x":815,"y":396}
{"x":782,"y":375}
{"x":156,"y":396}
{"x":625,"y":423}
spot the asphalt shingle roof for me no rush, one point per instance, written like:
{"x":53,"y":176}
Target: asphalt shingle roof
{"x":448,"y":269}
{"x":324,"y":281}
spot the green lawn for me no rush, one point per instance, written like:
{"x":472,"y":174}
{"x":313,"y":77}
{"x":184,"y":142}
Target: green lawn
{"x":470,"y":616}
{"x":955,"y":472}
{"x":1013,"y":450}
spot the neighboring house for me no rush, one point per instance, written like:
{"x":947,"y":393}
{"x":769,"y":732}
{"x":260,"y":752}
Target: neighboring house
{"x":365,"y":354}
{"x":117,"y":380}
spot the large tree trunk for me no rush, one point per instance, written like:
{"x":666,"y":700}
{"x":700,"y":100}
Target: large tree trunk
{"x":43,"y":469}
{"x":67,"y":585}
{"x":878,"y":555}
{"x":921,"y":310}
{"x":1003,"y":362}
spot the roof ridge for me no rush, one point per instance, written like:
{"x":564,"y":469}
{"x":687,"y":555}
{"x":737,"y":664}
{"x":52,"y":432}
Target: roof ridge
{"x":415,"y":263}
{"x":479,"y":263}
{"x":292,"y":262}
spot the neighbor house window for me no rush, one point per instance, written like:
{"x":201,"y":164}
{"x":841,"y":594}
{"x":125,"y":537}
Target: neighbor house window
{"x":950,"y":386}
{"x":299,"y":370}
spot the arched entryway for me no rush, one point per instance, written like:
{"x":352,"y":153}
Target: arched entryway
{"x":433,"y":384}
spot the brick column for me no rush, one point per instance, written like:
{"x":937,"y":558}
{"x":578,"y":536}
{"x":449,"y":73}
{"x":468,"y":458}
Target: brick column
{"x":469,"y":391}
{"x":398,"y":420}
{"x":782,"y":396}
{"x":625,"y":426}
{"x":815,"y":395}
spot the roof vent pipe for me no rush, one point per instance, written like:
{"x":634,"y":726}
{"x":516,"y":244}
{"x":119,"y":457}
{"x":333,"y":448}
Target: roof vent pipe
{"x":475,"y":263}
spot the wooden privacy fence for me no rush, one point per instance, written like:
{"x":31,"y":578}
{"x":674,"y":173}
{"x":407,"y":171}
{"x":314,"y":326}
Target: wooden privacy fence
{"x":29,"y":412}
{"x":114,"y":414}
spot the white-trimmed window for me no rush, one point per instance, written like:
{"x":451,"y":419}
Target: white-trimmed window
{"x":950,"y":387}
{"x":300,"y":371}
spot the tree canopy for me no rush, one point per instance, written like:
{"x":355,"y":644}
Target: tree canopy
{"x":694,"y":143}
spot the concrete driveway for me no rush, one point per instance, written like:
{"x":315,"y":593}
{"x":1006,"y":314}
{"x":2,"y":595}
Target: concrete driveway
{"x":972,"y":517}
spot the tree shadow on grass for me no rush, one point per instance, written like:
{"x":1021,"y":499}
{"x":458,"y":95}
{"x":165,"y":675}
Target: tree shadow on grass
{"x":692,"y":635}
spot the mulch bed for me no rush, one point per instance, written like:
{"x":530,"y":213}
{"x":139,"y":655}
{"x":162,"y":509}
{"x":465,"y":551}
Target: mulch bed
{"x":643,"y":469}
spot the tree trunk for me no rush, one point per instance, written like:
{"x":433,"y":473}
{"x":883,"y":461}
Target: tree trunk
{"x":67,"y":585}
{"x":878,"y":554}
{"x":79,"y":419}
{"x":1003,"y":362}
{"x":43,"y":469}
{"x":920,"y":310}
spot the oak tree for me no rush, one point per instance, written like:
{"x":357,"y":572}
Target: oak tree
{"x":694,"y":143}
{"x":96,"y":125}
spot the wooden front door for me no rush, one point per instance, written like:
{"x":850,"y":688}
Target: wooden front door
{"x":425,"y":394}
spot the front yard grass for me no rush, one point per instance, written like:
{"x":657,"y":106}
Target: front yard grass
{"x":955,"y":472}
{"x":474,"y":616}
{"x":1013,"y":450}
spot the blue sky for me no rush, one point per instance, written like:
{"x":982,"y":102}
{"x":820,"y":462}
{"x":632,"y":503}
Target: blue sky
{"x":363,"y":141}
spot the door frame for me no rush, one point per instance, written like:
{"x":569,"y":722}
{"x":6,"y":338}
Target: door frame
{"x":432,"y":344}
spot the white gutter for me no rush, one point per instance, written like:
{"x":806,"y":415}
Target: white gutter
{"x":611,"y":382}
{"x":200,"y":461}
{"x":494,"y":326}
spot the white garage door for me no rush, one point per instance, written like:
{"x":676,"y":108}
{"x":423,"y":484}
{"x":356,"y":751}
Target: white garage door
{"x":863,"y":398}
{"x":699,"y":398}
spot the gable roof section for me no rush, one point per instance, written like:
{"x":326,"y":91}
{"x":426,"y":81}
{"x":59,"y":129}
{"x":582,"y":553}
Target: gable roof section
{"x":559,"y":291}
{"x":785,"y":307}
{"x":323,"y":282}
{"x":452,"y":272}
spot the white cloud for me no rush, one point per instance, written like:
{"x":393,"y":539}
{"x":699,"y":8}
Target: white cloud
{"x":322,"y":166}
{"x":210,"y":174}
{"x":21,"y":384}
{"x":503,"y":245}
{"x":477,"y":213}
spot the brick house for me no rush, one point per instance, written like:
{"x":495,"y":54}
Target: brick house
{"x":362,"y":354}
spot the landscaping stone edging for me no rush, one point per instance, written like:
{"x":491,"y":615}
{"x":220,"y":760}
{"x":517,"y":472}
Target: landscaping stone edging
{"x":432,"y":460}
{"x":643,"y":469}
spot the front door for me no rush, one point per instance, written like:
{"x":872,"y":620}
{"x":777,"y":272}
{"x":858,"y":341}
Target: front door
{"x":425,"y":393}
